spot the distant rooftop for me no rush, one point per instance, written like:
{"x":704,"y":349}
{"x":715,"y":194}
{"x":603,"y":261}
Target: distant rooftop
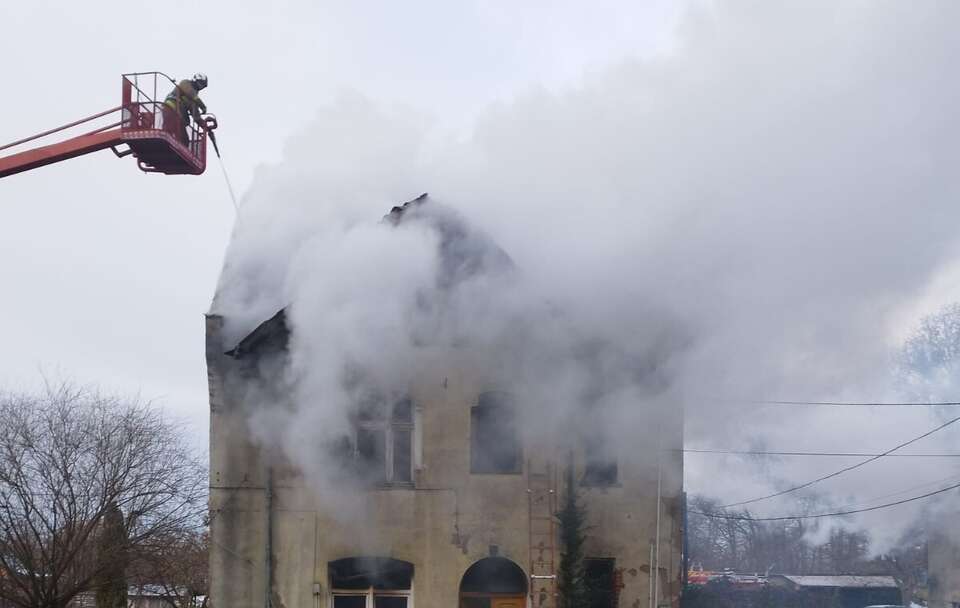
{"x":841,"y":581}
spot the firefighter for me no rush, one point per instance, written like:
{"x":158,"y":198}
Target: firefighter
{"x":184,"y":101}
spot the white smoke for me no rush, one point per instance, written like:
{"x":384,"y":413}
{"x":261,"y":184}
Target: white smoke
{"x":747,"y":218}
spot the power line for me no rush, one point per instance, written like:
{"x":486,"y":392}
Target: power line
{"x":942,"y":480}
{"x":843,"y":470}
{"x":839,"y":454}
{"x":833,"y":514}
{"x":859,"y":403}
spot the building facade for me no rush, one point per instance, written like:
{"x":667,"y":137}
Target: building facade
{"x":456,"y":507}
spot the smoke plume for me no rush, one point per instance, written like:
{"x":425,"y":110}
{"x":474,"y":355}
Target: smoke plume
{"x":750,"y":217}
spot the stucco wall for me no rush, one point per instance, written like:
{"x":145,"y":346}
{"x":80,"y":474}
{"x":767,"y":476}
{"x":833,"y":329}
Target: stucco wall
{"x":446,"y":522}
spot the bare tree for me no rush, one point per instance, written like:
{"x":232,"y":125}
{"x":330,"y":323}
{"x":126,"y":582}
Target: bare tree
{"x":68,"y":457}
{"x":174,"y":568}
{"x":928,"y":366}
{"x":771,"y":546}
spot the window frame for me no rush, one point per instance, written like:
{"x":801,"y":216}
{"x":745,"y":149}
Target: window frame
{"x":389,"y":427}
{"x":369,"y":594}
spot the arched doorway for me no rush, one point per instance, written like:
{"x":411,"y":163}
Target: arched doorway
{"x":493,"y":582}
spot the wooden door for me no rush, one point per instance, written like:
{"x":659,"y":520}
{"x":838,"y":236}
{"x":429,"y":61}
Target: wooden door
{"x":509,"y":602}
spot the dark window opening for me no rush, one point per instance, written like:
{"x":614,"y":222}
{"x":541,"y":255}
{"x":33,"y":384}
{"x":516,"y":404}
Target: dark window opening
{"x":599,"y":579}
{"x":494,"y":440}
{"x":600,"y":466}
{"x":349,"y":601}
{"x":370,"y":572}
{"x":355,"y":581}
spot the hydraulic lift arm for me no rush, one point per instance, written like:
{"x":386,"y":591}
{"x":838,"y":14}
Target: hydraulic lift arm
{"x":153,"y":133}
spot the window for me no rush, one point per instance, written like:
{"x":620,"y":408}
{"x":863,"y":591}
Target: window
{"x":600,"y":580}
{"x":383,"y":444}
{"x":371,"y":582}
{"x":494,"y":441}
{"x":600,"y":466}
{"x":370,"y":600}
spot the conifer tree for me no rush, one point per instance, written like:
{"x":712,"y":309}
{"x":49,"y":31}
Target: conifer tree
{"x":111,"y":552}
{"x":571,"y":584}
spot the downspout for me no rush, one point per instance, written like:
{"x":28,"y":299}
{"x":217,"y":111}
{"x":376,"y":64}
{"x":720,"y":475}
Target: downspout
{"x":650,"y":581}
{"x":268,"y":557}
{"x":656,"y":556}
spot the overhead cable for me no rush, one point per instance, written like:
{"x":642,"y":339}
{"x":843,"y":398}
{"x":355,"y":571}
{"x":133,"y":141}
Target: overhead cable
{"x":821,"y":515}
{"x":860,"y":403}
{"x":838,"y":454}
{"x":843,"y":470}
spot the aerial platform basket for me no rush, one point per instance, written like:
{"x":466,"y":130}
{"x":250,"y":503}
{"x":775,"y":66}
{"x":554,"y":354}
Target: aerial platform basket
{"x":151,"y":131}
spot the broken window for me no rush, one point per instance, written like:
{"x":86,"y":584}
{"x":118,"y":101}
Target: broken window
{"x":371,"y":582}
{"x":494,"y":440}
{"x":383,"y":441}
{"x":600,"y":465}
{"x":600,"y":581}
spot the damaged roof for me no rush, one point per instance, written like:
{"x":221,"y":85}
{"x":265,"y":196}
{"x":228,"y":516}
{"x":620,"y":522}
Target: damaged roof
{"x":271,"y":335}
{"x":463,"y":252}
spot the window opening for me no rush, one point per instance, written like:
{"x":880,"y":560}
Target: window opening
{"x":494,"y":441}
{"x":600,"y":466}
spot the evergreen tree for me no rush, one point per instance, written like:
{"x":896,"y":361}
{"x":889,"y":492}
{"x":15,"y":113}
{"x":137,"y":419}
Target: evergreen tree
{"x":571,"y":585}
{"x":111,"y":552}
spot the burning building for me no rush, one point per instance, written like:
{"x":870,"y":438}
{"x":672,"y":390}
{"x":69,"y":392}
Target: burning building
{"x":442,"y":490}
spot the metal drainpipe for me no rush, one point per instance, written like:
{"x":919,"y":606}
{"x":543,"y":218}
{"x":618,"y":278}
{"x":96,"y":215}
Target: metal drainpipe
{"x":656,"y":576}
{"x":650,"y":581}
{"x":268,"y":558}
